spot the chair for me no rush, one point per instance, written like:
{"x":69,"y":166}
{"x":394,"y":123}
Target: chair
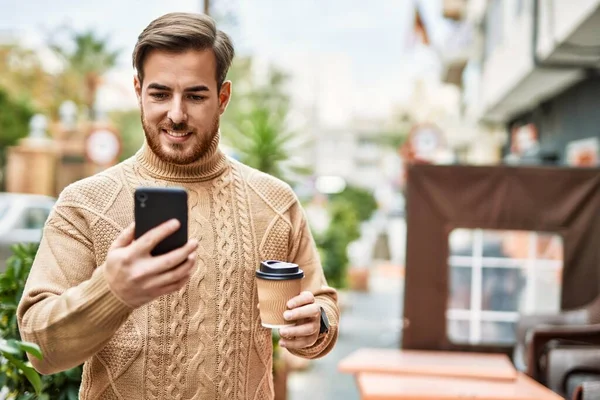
{"x":527,"y":324}
{"x":587,"y":391}
{"x":570,"y":366}
{"x":564,"y":357}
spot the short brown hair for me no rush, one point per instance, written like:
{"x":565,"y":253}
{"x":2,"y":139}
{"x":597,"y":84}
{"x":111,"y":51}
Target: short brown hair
{"x":179,"y":32}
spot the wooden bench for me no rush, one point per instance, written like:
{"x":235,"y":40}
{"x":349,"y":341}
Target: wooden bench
{"x":386,"y":374}
{"x":435,"y":363}
{"x":374,"y":386}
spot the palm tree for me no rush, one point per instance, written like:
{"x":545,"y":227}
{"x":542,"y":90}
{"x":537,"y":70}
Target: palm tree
{"x":86,"y":64}
{"x":256,"y":124}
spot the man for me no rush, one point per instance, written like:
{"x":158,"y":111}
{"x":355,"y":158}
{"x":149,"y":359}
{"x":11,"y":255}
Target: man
{"x":184,"y":325}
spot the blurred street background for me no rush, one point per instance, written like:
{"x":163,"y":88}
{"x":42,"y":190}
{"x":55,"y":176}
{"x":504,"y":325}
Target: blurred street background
{"x":345,"y":95}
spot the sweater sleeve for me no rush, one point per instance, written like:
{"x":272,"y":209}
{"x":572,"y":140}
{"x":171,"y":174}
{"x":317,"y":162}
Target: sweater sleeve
{"x":67,"y":307}
{"x":307,"y":257}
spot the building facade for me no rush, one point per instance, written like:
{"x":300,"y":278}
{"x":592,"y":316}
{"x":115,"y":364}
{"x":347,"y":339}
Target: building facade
{"x":533,"y":69}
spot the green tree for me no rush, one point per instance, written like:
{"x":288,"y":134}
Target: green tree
{"x":333,"y":243}
{"x":14,"y":125}
{"x":347,"y":210}
{"x":85,"y":66}
{"x":361,"y":200}
{"x":256,"y":123}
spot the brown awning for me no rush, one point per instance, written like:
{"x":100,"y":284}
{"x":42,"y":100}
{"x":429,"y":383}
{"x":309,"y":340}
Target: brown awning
{"x":565,"y":201}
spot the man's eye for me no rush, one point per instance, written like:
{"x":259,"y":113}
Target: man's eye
{"x":196,"y":97}
{"x":158,"y":96}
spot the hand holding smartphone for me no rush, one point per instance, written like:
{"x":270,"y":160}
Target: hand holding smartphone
{"x":154,"y":258}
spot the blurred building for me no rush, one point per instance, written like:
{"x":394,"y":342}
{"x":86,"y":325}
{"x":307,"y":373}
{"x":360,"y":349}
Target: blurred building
{"x":530,"y":68}
{"x":355,"y":153}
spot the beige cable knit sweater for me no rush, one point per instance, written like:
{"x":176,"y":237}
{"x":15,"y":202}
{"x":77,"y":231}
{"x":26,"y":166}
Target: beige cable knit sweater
{"x":203,"y":342}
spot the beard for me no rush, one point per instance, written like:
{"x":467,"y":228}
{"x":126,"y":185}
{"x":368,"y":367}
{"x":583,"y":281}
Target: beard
{"x":180,"y":153}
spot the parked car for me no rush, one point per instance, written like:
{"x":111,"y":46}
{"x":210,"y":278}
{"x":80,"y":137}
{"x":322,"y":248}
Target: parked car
{"x":22,"y":217}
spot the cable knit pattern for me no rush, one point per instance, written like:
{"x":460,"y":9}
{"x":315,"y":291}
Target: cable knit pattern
{"x":154,"y":351}
{"x":202,"y":342}
{"x":178,"y":350}
{"x":245,"y":288}
{"x":227,"y":271}
{"x":197,"y":364}
{"x":178,"y":347}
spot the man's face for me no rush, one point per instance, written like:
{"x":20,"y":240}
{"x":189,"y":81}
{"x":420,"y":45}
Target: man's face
{"x":180,"y":104}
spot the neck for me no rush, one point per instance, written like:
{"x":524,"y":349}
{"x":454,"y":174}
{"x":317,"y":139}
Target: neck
{"x":208,"y":166}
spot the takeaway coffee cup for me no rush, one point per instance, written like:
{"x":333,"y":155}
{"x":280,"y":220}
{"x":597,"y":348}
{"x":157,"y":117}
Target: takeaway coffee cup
{"x":277,"y":283}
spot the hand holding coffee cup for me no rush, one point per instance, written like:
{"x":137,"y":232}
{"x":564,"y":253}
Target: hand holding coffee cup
{"x":306,"y":314}
{"x":283,"y":306}
{"x":277,"y":283}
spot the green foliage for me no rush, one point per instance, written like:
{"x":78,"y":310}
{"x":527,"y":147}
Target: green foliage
{"x":23,"y":77}
{"x":393,"y":139}
{"x":278,"y":361}
{"x":13,"y":351}
{"x":360,"y":199}
{"x":14,"y":124}
{"x":18,"y":374}
{"x":256,"y":123}
{"x":129,"y":125}
{"x":333,"y":243}
{"x":12,"y":283}
{"x":347,"y":210}
{"x":85,"y":61}
{"x":90,"y":53}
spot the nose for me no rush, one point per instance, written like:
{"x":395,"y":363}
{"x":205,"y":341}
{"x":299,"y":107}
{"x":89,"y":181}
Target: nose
{"x":177,"y":112}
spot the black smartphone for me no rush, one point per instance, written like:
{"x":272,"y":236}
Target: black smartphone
{"x":155,"y":205}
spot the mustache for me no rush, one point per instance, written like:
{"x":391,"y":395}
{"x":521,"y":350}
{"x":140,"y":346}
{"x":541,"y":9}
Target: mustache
{"x":182,"y":126}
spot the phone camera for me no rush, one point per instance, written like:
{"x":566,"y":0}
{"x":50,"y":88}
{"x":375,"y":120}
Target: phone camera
{"x":142,"y":197}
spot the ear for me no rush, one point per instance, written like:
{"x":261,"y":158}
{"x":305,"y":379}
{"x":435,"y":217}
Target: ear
{"x":137,"y":85}
{"x":224,"y":96}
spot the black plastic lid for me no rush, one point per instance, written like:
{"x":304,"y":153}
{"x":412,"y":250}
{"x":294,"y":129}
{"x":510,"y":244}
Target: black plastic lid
{"x":278,"y":271}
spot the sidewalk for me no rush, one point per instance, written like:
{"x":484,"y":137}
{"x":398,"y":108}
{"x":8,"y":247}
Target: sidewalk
{"x":370,"y":319}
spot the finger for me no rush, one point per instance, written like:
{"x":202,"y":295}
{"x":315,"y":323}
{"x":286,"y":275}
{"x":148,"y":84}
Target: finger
{"x":297,"y":343}
{"x":307,"y":327}
{"x":125,"y":237}
{"x":173,"y":275}
{"x":173,"y":258}
{"x":310,"y":311}
{"x":303,"y":298}
{"x":150,"y":239}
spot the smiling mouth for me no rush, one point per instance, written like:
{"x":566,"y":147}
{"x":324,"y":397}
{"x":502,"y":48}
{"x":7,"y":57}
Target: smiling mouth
{"x":176,"y":134}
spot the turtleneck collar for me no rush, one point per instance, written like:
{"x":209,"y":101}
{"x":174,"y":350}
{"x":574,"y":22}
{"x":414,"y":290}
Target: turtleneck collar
{"x":210,"y":165}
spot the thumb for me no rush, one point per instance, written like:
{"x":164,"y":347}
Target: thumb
{"x":125,"y":237}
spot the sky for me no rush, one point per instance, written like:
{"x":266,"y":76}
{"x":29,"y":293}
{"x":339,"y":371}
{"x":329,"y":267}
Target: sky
{"x":346,"y":57}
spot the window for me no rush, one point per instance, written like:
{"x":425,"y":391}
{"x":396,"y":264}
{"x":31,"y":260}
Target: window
{"x":495,"y":276}
{"x":34,"y":218}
